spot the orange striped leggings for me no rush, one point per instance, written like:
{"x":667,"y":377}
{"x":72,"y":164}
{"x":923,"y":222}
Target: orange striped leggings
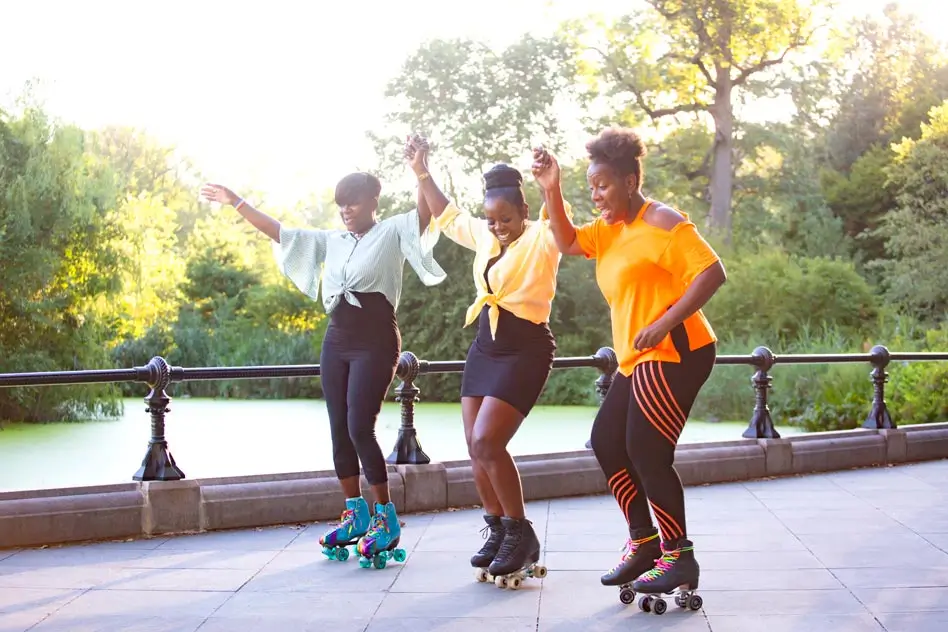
{"x":635,"y":434}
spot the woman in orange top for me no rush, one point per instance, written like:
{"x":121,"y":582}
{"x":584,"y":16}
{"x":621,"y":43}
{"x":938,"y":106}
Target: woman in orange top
{"x":515,"y":266}
{"x":656,"y":273}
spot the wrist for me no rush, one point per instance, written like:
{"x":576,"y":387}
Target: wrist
{"x":422,"y":174}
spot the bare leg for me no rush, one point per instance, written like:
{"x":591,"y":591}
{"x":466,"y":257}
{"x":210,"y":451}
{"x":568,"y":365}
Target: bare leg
{"x":496,"y":423}
{"x":351,"y":487}
{"x":380,"y":492}
{"x":469,"y":412}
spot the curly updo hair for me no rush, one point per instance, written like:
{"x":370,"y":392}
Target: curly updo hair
{"x":505,"y":182}
{"x":357,"y":187}
{"x":620,"y":148}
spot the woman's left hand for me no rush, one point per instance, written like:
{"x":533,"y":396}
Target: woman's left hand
{"x":650,"y":336}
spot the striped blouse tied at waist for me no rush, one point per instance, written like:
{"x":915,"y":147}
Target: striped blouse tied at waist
{"x":523,"y":280}
{"x":372,"y":263}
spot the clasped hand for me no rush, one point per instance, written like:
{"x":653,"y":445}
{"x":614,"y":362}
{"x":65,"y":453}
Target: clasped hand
{"x":416,"y":153}
{"x":545,"y":168}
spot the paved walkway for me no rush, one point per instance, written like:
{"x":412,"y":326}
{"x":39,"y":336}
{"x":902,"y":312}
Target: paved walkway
{"x":845,"y":552}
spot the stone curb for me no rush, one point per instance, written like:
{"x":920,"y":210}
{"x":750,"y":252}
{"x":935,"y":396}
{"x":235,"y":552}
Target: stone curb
{"x":55,"y":516}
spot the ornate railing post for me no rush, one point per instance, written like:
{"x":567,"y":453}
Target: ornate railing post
{"x":879,"y":418}
{"x":608,"y":365}
{"x":761,"y":425}
{"x":407,"y":449}
{"x":158,"y":464}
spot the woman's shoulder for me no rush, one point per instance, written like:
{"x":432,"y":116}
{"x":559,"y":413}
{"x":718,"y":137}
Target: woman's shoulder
{"x":662,"y":216}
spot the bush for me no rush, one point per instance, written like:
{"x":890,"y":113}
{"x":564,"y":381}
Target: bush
{"x":779,"y":298}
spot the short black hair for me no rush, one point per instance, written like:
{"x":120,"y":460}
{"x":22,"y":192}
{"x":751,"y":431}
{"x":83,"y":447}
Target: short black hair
{"x":357,"y":187}
{"x":620,"y":148}
{"x":505,"y":182}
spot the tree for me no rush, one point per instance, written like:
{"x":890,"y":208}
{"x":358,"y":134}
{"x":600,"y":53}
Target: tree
{"x":916,"y":230}
{"x":885,"y":85}
{"x":57,"y":266}
{"x":708,"y":50}
{"x":475,"y":105}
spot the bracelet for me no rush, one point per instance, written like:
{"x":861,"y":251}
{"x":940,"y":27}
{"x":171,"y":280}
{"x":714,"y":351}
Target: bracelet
{"x":424,"y":176}
{"x":239,"y":204}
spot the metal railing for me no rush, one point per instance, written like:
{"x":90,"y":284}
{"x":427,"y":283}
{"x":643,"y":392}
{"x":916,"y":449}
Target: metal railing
{"x":159,"y":464}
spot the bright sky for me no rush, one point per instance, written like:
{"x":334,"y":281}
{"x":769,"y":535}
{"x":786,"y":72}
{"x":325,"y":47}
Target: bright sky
{"x":276,"y":95}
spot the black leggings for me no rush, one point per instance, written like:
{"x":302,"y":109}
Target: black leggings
{"x":357,"y":365}
{"x":636,"y":432}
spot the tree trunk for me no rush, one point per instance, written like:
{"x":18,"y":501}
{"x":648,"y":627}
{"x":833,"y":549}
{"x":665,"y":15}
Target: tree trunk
{"x":721,"y":171}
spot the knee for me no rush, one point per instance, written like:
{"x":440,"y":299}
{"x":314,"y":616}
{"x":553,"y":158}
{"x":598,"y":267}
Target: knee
{"x":362,"y":435}
{"x":485,"y":449}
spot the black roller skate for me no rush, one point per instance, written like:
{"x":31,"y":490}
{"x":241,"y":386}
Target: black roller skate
{"x":677,"y":570}
{"x":494,"y":532}
{"x":641,"y":552}
{"x":518,"y":555}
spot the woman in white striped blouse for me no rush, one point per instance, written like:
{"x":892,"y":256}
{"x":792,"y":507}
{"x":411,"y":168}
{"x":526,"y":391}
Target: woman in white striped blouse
{"x":361,"y":269}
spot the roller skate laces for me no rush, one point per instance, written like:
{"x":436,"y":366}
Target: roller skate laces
{"x":377,"y":527}
{"x":630,"y":549}
{"x":664,"y":564}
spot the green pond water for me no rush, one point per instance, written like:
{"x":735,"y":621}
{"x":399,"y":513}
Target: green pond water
{"x":210,"y":438}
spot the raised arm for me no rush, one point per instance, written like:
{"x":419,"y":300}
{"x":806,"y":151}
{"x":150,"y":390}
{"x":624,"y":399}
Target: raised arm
{"x":416,"y":151}
{"x":547,"y":172}
{"x":260,"y":220}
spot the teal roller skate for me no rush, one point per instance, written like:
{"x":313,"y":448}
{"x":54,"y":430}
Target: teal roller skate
{"x":380,"y":543}
{"x":676,"y":572}
{"x":353,"y":524}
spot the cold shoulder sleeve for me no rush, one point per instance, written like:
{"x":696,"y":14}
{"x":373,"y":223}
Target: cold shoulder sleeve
{"x":687,"y":254}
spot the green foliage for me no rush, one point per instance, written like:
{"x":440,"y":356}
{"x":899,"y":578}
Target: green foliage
{"x":490,"y":105}
{"x":918,"y":392}
{"x":916,"y":230}
{"x":781,"y":296}
{"x":55,"y":265}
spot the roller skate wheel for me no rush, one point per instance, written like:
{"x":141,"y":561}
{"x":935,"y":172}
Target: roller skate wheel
{"x":514,"y":583}
{"x":480,"y":574}
{"x":365,"y":562}
{"x":539,"y":572}
{"x":695,"y":602}
{"x":379,"y":562}
{"x":659,"y":606}
{"x":400,"y":555}
{"x":500,"y":582}
{"x":342,"y":554}
{"x":626,"y":596}
{"x":645,"y":604}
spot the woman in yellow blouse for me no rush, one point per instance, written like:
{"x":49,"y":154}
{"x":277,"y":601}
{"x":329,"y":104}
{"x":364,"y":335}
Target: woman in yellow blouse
{"x":515,"y":265}
{"x":656,"y":273}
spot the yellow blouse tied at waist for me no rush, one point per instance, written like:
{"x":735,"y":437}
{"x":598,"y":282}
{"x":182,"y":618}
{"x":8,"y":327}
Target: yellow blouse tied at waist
{"x":523,"y":280}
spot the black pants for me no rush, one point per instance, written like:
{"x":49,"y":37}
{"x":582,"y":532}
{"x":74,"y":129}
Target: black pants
{"x":357,"y":365}
{"x":636,"y":432}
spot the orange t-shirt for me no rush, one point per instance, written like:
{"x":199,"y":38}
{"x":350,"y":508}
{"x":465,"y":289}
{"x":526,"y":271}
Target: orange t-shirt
{"x":642,"y":270}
